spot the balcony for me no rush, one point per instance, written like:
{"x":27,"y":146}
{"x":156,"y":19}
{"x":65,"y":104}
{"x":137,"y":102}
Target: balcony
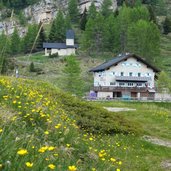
{"x":132,"y":79}
{"x":117,"y":88}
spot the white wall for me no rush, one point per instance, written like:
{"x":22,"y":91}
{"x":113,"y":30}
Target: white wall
{"x":70,"y":42}
{"x":104,"y":94}
{"x":130,"y":65}
{"x":61,"y":52}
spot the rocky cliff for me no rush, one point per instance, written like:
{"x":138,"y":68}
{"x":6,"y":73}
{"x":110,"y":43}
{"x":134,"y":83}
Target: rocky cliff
{"x":45,"y":11}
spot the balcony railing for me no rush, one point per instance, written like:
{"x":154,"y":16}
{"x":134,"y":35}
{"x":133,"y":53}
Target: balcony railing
{"x":131,"y":78}
{"x":117,"y":88}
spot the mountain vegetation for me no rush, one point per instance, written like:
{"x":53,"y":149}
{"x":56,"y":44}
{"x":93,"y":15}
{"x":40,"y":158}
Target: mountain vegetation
{"x":43,"y":128}
{"x":17,"y":4}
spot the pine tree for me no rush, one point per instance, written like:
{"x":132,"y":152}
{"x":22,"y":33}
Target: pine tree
{"x":58,"y":29}
{"x":144,"y":40}
{"x":92,"y":12}
{"x":110,"y":36}
{"x":93,"y":35}
{"x":15,"y":43}
{"x":106,"y":8}
{"x":68,"y":22}
{"x":83,"y":20}
{"x":73,"y":10}
{"x":4,"y":52}
{"x":41,"y":38}
{"x":124,"y":21}
{"x":29,"y":38}
{"x":73,"y":81}
{"x":127,"y":16}
{"x":164,"y":83}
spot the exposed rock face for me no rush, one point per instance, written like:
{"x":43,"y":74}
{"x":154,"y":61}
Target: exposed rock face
{"x":45,"y":11}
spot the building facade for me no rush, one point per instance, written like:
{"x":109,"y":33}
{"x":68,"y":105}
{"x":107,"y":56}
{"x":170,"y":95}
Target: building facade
{"x":126,"y":76}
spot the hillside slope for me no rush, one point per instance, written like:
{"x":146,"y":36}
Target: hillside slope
{"x":41,"y":126}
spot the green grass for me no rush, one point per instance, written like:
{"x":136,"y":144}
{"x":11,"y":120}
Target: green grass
{"x":35,"y":114}
{"x":156,"y":117}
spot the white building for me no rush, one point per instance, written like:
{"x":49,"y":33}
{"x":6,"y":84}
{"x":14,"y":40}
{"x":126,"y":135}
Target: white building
{"x":62,"y":49}
{"x":125,"y":76}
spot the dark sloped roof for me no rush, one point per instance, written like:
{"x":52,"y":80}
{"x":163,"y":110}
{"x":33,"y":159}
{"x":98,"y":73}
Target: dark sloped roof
{"x":55,"y":45}
{"x":118,"y":59}
{"x":58,"y":46}
{"x":70,"y":34}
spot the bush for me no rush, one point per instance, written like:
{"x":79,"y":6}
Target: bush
{"x":32,"y":68}
{"x":95,"y":119}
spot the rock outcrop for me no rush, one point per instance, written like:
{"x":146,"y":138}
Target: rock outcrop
{"x":45,"y":11}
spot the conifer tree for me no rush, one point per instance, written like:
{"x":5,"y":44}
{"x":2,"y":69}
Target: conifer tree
{"x":106,"y":8}
{"x":144,"y":40}
{"x":164,"y":83}
{"x":15,"y":43}
{"x":73,"y":81}
{"x":110,"y":36}
{"x":41,"y":38}
{"x":68,"y":22}
{"x":83,"y":20}
{"x":92,"y":12}
{"x":29,"y":38}
{"x":58,"y":29}
{"x":4,"y":52}
{"x":93,"y":35}
{"x":73,"y":10}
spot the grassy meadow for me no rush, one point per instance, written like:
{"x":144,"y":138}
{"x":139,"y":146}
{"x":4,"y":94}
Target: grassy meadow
{"x":42,"y":128}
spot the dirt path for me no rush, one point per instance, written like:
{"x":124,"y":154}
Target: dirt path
{"x":157,"y":141}
{"x":118,"y":109}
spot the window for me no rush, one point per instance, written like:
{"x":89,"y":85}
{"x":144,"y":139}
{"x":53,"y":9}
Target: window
{"x":112,"y":83}
{"x":130,"y":84}
{"x":130,"y":74}
{"x":139,"y":74}
{"x":121,"y":84}
{"x":139,"y":84}
{"x":148,"y":74}
{"x":122,"y":73}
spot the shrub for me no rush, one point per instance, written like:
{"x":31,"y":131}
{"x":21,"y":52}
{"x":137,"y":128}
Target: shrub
{"x":32,"y":68}
{"x":95,"y":119}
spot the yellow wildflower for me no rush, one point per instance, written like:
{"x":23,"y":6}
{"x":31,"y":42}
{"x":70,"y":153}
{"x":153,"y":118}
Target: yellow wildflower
{"x":51,"y":166}
{"x":72,"y":168}
{"x":58,"y":126}
{"x":46,"y":132}
{"x":91,"y":139}
{"x":51,"y":148}
{"x":68,"y":145}
{"x":112,"y":159}
{"x":118,"y":170}
{"x":28,"y":164}
{"x":119,"y":162}
{"x":1,"y":130}
{"x":22,"y":152}
{"x":0,"y":165}
{"x":14,"y":102}
{"x":42,"y":149}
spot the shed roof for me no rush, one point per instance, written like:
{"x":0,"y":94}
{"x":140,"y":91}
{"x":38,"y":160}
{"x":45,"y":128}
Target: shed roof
{"x":58,"y":46}
{"x":119,"y":58}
